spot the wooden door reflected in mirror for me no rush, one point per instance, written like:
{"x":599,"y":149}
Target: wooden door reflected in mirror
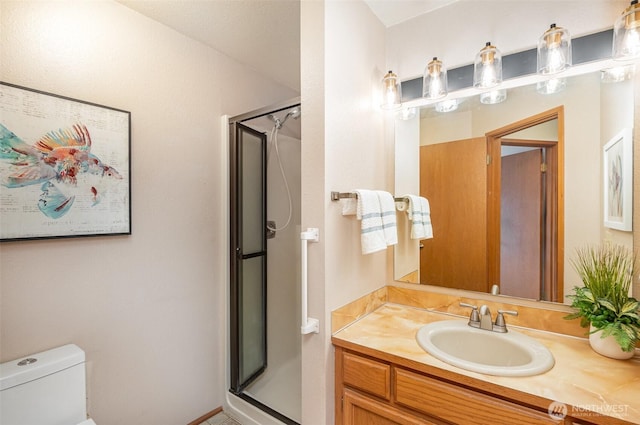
{"x":497,"y":221}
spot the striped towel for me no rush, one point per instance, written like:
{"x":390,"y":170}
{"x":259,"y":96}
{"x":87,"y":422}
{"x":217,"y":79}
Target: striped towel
{"x":369,"y":212}
{"x":389,"y":224}
{"x":414,"y":212}
{"x":419,"y":214}
{"x":426,"y":218}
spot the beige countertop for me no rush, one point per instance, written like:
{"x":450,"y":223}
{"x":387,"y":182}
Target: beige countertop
{"x":580,"y":378}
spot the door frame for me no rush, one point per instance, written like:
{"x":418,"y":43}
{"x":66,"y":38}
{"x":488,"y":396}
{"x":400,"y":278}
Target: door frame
{"x":555,"y":229}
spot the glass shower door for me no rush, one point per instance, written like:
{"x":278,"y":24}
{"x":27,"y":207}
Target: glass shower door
{"x":249,"y":264}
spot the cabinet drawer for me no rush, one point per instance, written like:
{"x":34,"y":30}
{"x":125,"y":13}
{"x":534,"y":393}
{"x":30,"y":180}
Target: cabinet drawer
{"x":367,"y":375}
{"x":460,"y":405}
{"x":363,"y":410}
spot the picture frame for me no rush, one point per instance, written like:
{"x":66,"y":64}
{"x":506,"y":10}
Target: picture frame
{"x":618,"y":181}
{"x":65,"y":166}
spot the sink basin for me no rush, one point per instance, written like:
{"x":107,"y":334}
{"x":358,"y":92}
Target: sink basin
{"x":482,"y":351}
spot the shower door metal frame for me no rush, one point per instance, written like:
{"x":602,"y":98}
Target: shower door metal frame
{"x":238,"y":382}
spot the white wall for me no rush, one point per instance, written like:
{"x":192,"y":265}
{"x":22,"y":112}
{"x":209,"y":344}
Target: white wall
{"x":146,"y":308}
{"x":344,"y":148}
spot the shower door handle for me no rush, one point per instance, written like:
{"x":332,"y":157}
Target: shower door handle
{"x":308,"y":324}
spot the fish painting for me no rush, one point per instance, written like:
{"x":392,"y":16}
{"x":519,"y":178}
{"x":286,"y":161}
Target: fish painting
{"x":60,"y":162}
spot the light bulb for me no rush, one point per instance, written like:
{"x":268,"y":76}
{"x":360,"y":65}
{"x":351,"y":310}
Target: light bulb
{"x":434,"y":80}
{"x":391,"y":92}
{"x":487,"y":68}
{"x":556,"y":60}
{"x":488,"y":78}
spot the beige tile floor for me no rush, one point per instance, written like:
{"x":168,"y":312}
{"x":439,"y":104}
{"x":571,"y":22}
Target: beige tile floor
{"x":221,"y":419}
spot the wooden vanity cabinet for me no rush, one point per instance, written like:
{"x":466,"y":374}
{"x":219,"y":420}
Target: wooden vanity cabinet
{"x":373,"y":391}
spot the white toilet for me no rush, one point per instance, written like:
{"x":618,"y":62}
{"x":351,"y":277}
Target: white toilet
{"x":46,"y":388}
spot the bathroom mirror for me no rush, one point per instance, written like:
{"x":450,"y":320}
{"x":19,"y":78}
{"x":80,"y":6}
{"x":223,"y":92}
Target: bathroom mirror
{"x":594,"y":110}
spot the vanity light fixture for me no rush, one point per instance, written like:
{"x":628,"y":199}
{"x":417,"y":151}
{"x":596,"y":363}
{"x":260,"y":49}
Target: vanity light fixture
{"x":392,"y":97}
{"x":487,"y":68}
{"x":554,"y":50}
{"x":434,"y":81}
{"x":626,"y":33}
{"x":493,"y":97}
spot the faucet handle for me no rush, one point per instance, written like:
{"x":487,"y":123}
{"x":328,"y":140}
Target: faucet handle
{"x":473,"y":317}
{"x":500,"y":325}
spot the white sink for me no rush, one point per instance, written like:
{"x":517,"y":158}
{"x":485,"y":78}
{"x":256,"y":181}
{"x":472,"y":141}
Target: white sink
{"x":482,"y":351}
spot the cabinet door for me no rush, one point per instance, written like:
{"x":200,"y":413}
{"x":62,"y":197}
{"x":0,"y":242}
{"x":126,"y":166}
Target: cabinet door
{"x":361,"y":410}
{"x":367,"y":375}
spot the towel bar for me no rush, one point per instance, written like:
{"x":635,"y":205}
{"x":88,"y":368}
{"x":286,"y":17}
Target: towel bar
{"x":336,"y":196}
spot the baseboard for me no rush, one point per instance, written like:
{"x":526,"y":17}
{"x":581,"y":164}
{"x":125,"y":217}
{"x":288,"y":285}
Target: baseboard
{"x":206,"y":416}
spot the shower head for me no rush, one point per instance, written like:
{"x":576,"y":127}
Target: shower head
{"x":294,"y":113}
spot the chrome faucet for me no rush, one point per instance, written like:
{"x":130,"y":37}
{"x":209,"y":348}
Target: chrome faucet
{"x":485,"y":318}
{"x":482,"y":319}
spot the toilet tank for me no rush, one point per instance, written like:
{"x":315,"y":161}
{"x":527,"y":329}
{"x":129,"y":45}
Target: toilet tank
{"x":46,"y":388}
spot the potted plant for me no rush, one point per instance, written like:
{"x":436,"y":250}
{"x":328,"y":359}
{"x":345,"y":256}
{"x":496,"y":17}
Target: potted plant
{"x":604,"y":303}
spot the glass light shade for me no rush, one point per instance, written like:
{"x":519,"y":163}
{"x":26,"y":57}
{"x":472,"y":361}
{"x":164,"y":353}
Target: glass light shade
{"x":447,"y":105}
{"x":493,"y":97}
{"x":617,"y":74}
{"x":626,"y":33}
{"x":408,"y":113}
{"x":551,"y":86}
{"x":391,"y":92}
{"x":434,"y":81}
{"x":487,"y":68}
{"x":554,"y":50}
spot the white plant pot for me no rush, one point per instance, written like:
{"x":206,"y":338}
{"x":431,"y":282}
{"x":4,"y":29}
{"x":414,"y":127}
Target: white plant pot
{"x":607,"y":346}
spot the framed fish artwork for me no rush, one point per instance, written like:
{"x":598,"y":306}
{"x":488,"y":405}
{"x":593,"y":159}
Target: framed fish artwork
{"x":65,"y":167}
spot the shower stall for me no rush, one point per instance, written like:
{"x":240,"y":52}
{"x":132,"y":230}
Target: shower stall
{"x":264,"y":287}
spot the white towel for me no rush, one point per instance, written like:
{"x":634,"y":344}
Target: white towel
{"x":426,"y":218}
{"x":371,"y":231}
{"x":414,"y":212}
{"x":389,"y":224}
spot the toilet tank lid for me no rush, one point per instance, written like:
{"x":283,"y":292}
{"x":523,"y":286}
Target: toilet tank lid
{"x":48,"y":362}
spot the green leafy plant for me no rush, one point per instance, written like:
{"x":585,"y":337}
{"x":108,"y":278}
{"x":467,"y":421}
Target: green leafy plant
{"x":604,"y":302}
